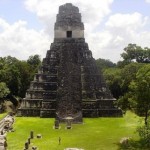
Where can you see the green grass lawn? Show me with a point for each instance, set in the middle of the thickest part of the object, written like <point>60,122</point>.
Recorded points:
<point>93,134</point>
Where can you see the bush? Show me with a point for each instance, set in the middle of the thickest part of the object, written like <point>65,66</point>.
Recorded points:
<point>144,133</point>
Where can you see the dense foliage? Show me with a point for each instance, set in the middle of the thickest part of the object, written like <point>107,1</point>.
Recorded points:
<point>140,92</point>
<point>15,75</point>
<point>137,53</point>
<point>129,80</point>
<point>144,133</point>
<point>103,64</point>
<point>4,91</point>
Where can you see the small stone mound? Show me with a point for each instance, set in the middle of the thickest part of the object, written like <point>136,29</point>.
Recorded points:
<point>39,136</point>
<point>124,140</point>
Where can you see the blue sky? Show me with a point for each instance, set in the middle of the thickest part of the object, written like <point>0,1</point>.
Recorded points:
<point>130,6</point>
<point>26,26</point>
<point>14,10</point>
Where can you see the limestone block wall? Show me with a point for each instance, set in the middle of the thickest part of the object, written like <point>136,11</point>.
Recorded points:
<point>62,33</point>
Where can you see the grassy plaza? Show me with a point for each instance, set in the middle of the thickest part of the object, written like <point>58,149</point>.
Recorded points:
<point>93,134</point>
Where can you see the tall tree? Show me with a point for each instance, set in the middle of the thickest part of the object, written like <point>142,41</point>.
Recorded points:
<point>103,64</point>
<point>34,61</point>
<point>4,91</point>
<point>17,74</point>
<point>9,73</point>
<point>114,81</point>
<point>119,79</point>
<point>128,74</point>
<point>25,71</point>
<point>133,52</point>
<point>140,92</point>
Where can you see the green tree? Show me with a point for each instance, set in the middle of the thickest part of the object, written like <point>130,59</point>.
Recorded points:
<point>9,73</point>
<point>103,64</point>
<point>26,75</point>
<point>113,80</point>
<point>119,79</point>
<point>34,61</point>
<point>16,74</point>
<point>140,90</point>
<point>128,73</point>
<point>133,52</point>
<point>4,91</point>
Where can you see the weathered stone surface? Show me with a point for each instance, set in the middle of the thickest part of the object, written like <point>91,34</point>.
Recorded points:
<point>34,147</point>
<point>56,124</point>
<point>3,142</point>
<point>31,134</point>
<point>39,136</point>
<point>29,140</point>
<point>26,145</point>
<point>68,84</point>
<point>68,124</point>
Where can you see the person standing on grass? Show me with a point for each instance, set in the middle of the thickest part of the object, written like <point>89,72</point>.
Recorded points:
<point>59,140</point>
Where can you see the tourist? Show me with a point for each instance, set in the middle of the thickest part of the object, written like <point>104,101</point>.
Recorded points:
<point>59,139</point>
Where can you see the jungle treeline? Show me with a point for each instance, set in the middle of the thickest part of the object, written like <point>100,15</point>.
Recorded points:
<point>128,79</point>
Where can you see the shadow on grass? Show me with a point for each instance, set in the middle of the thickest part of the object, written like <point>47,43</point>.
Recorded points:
<point>134,145</point>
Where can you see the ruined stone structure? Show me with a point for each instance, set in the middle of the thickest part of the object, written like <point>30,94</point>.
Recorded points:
<point>68,84</point>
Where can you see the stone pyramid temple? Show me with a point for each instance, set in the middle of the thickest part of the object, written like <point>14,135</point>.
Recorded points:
<point>68,83</point>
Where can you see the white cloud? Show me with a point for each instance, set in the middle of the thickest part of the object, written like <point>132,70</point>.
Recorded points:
<point>19,41</point>
<point>119,31</point>
<point>148,1</point>
<point>106,36</point>
<point>3,24</point>
<point>92,11</point>
<point>133,21</point>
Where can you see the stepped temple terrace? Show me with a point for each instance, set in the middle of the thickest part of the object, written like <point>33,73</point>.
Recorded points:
<point>68,84</point>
